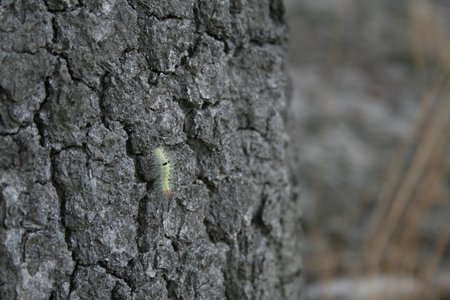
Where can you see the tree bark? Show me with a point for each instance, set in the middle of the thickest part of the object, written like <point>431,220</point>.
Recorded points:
<point>88,90</point>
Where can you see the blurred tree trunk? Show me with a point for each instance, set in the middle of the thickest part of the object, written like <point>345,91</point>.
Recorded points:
<point>88,89</point>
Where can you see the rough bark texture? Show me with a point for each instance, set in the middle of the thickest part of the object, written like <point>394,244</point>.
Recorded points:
<point>88,89</point>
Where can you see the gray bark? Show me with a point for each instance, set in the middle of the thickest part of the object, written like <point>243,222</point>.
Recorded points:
<point>88,89</point>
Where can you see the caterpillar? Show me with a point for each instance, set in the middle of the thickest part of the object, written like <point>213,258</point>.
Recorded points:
<point>163,165</point>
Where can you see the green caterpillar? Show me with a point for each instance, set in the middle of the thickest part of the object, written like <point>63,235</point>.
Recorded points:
<point>163,164</point>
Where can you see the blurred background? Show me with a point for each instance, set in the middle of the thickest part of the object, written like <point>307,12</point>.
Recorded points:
<point>371,129</point>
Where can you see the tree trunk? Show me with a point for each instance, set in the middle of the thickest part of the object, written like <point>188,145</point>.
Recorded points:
<point>88,90</point>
